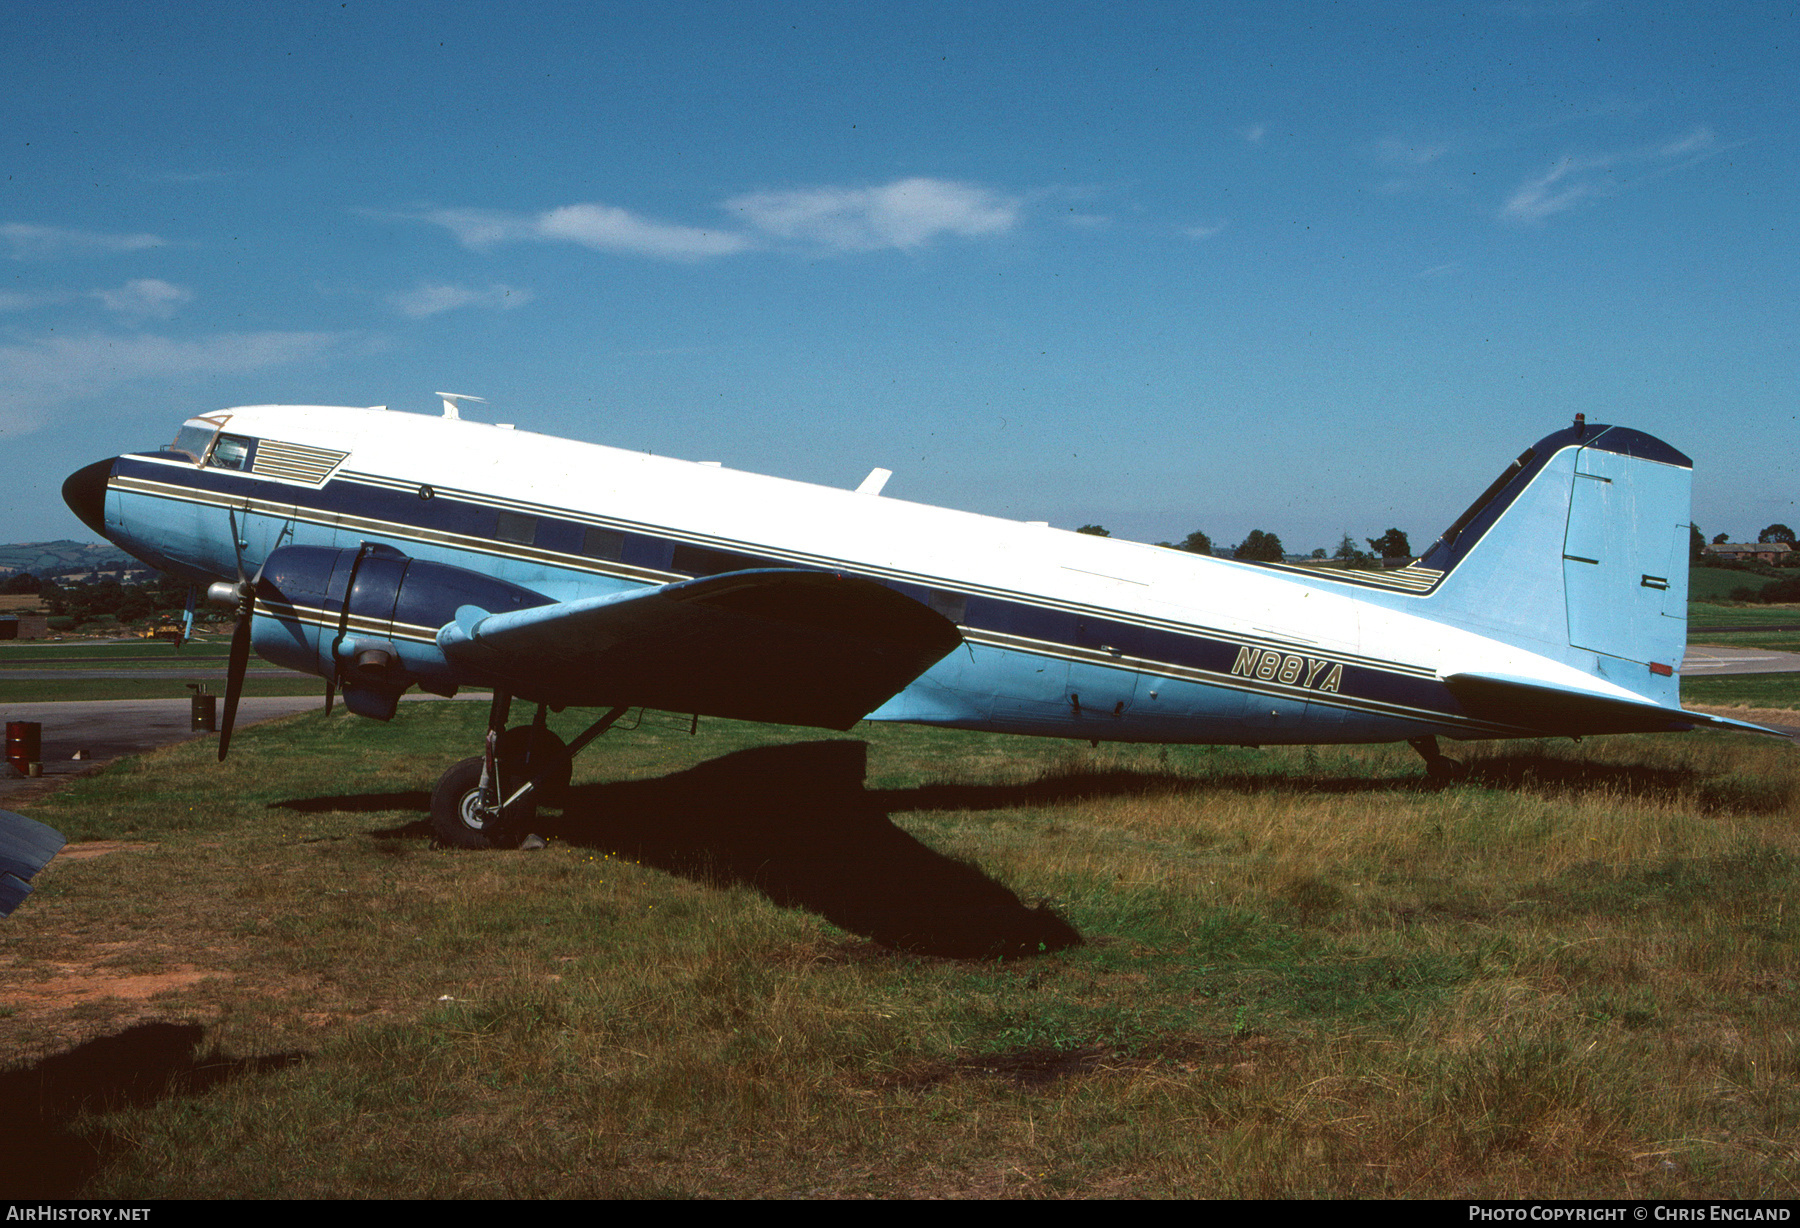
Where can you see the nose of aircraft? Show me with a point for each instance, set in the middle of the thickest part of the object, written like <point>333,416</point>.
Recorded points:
<point>85,493</point>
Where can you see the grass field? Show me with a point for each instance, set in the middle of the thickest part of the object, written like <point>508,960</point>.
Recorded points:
<point>1702,616</point>
<point>1706,584</point>
<point>745,966</point>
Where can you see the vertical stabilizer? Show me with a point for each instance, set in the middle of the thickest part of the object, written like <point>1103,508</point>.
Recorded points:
<point>1579,552</point>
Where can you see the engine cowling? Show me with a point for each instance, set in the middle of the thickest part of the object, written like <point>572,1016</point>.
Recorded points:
<point>368,617</point>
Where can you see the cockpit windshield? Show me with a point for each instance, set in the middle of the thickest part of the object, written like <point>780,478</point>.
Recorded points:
<point>203,441</point>
<point>194,438</point>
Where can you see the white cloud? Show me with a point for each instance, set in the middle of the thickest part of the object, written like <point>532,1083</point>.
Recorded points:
<point>428,299</point>
<point>482,228</point>
<point>14,300</point>
<point>145,297</point>
<point>1697,140</point>
<point>602,227</point>
<point>1203,232</point>
<point>39,377</point>
<point>905,214</point>
<point>28,242</point>
<point>1563,186</point>
<point>617,230</point>
<point>1254,133</point>
<point>1574,180</point>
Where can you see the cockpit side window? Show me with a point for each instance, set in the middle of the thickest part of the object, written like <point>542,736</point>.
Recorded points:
<point>232,452</point>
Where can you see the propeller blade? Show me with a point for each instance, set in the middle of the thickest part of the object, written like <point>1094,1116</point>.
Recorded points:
<point>187,618</point>
<point>235,667</point>
<point>330,694</point>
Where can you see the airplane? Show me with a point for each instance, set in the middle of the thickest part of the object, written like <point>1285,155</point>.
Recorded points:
<point>383,550</point>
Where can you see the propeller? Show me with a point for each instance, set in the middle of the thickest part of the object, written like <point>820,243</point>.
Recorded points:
<point>244,594</point>
<point>187,619</point>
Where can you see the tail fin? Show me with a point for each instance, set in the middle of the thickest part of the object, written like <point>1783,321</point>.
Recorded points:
<point>1579,552</point>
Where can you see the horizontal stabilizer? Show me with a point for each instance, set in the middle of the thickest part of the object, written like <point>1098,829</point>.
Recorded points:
<point>1566,712</point>
<point>789,646</point>
<point>26,846</point>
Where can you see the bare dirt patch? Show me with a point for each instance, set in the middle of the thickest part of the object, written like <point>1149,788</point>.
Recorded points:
<point>100,848</point>
<point>74,984</point>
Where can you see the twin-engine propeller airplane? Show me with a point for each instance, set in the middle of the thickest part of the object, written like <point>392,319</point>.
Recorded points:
<point>388,550</point>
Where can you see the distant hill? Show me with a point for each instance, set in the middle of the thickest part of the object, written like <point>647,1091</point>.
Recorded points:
<point>41,557</point>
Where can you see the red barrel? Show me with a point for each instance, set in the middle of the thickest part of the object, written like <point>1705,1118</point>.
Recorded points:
<point>24,744</point>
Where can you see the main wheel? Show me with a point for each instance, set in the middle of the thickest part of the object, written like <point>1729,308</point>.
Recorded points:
<point>551,749</point>
<point>460,819</point>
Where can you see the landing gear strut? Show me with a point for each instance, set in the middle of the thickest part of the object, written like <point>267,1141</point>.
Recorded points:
<point>489,801</point>
<point>1440,768</point>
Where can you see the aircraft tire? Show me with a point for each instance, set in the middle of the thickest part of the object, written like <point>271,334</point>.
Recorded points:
<point>455,818</point>
<point>512,747</point>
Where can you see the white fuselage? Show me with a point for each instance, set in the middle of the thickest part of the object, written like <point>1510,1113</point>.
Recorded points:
<point>1067,634</point>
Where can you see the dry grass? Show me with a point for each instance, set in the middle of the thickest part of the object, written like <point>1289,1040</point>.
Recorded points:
<point>1304,973</point>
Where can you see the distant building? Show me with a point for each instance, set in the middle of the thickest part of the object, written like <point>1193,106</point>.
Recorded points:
<point>1769,553</point>
<point>22,617</point>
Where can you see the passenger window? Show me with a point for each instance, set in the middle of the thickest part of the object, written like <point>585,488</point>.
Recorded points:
<point>603,544</point>
<point>514,527</point>
<point>232,452</point>
<point>953,606</point>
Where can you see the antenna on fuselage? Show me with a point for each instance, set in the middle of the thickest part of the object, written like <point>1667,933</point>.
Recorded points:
<point>450,400</point>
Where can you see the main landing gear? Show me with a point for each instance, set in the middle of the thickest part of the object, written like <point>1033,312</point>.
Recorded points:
<point>490,801</point>
<point>1440,769</point>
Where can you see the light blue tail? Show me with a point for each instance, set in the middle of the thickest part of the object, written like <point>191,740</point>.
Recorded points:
<point>1579,552</point>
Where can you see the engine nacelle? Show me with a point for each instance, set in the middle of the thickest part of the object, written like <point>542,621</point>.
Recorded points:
<point>368,618</point>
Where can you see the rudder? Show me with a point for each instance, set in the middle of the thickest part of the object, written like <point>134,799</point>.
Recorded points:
<point>1579,552</point>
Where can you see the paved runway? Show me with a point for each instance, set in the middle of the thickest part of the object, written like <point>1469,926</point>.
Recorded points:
<point>1704,659</point>
<point>105,729</point>
<point>201,674</point>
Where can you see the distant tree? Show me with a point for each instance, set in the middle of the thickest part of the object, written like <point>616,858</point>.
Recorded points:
<point>134,604</point>
<point>1721,539</point>
<point>1390,545</point>
<point>1319,553</point>
<point>1349,554</point>
<point>1094,530</point>
<point>1776,533</point>
<point>1196,543</point>
<point>21,583</point>
<point>1259,546</point>
<point>1696,544</point>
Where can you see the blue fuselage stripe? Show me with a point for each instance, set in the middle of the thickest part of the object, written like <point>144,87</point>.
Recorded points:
<point>454,521</point>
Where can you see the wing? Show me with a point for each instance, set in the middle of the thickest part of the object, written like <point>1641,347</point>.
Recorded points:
<point>793,647</point>
<point>1555,710</point>
<point>26,846</point>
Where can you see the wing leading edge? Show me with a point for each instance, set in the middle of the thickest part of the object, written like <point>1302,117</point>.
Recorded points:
<point>787,646</point>
<point>26,846</point>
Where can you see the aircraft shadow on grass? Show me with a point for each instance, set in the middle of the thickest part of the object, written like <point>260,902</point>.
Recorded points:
<point>798,823</point>
<point>41,1153</point>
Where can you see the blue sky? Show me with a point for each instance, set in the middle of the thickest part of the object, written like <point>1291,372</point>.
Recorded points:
<point>1310,268</point>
